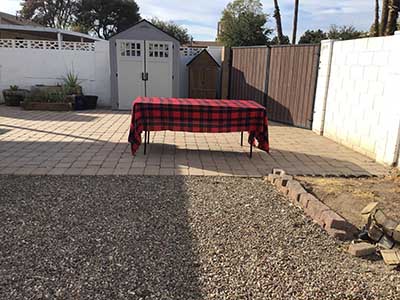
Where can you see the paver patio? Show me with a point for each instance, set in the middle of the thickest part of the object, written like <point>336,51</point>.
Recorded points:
<point>95,143</point>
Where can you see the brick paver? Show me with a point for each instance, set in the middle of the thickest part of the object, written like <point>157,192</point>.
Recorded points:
<point>95,143</point>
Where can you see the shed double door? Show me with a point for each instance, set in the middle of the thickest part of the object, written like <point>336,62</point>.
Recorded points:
<point>144,69</point>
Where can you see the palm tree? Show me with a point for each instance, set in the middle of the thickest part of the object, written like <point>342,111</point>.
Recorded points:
<point>393,14</point>
<point>376,21</point>
<point>384,17</point>
<point>296,13</point>
<point>277,16</point>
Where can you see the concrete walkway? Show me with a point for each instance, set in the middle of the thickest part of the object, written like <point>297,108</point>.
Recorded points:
<point>95,143</point>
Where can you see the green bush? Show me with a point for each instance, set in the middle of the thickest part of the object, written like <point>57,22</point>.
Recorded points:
<point>52,94</point>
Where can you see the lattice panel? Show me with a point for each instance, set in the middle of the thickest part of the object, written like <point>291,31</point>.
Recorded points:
<point>46,45</point>
<point>51,45</point>
<point>6,43</point>
<point>84,46</point>
<point>188,51</point>
<point>37,45</point>
<point>22,44</point>
<point>67,46</point>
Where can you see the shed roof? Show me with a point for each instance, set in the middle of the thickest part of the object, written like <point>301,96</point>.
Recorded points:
<point>41,29</point>
<point>201,53</point>
<point>151,24</point>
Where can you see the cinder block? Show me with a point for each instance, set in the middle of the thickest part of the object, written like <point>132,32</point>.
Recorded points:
<point>295,191</point>
<point>337,226</point>
<point>278,172</point>
<point>380,58</point>
<point>272,178</point>
<point>283,189</point>
<point>315,208</point>
<point>304,199</point>
<point>391,257</point>
<point>283,180</point>
<point>361,249</point>
<point>396,234</point>
<point>374,232</point>
<point>365,58</point>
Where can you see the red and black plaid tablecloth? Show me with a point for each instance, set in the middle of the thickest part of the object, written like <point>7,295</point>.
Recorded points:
<point>198,115</point>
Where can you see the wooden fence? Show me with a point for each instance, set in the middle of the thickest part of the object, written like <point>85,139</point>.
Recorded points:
<point>283,78</point>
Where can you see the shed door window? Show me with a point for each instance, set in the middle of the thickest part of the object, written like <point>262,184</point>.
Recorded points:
<point>158,50</point>
<point>130,49</point>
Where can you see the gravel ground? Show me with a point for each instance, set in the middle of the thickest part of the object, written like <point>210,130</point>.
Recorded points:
<point>170,238</point>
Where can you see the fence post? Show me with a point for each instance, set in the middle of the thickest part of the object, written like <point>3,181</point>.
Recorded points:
<point>267,76</point>
<point>225,70</point>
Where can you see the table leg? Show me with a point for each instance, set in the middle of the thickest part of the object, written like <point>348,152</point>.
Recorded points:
<point>148,137</point>
<point>251,149</point>
<point>145,142</point>
<point>241,139</point>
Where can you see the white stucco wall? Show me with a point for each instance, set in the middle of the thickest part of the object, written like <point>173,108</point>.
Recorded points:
<point>26,67</point>
<point>362,104</point>
<point>322,86</point>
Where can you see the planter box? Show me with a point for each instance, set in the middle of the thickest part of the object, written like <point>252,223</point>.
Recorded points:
<point>48,106</point>
<point>14,97</point>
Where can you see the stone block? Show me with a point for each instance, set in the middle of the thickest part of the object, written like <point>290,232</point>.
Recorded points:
<point>391,257</point>
<point>272,178</point>
<point>315,208</point>
<point>374,232</point>
<point>396,234</point>
<point>278,172</point>
<point>295,191</point>
<point>283,180</point>
<point>361,249</point>
<point>368,210</point>
<point>304,199</point>
<point>337,226</point>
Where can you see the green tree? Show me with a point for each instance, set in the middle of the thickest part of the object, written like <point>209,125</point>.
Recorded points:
<point>179,32</point>
<point>243,24</point>
<point>312,37</point>
<point>50,13</point>
<point>105,18</point>
<point>284,40</point>
<point>344,33</point>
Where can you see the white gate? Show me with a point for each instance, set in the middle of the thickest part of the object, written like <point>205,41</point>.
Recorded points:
<point>144,69</point>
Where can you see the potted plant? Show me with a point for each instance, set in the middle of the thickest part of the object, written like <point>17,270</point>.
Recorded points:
<point>14,95</point>
<point>72,84</point>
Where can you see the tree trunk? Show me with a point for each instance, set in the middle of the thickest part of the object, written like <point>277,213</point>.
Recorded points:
<point>376,21</point>
<point>393,14</point>
<point>384,17</point>
<point>296,14</point>
<point>277,16</point>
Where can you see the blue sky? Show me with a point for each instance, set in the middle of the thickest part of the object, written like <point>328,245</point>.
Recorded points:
<point>201,17</point>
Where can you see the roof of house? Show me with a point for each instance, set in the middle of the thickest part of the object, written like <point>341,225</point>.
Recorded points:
<point>204,44</point>
<point>6,18</point>
<point>201,53</point>
<point>41,29</point>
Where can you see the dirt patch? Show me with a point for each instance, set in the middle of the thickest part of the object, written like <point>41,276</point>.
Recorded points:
<point>348,196</point>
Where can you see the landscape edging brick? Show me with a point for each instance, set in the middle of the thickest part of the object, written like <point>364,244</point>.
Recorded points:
<point>334,224</point>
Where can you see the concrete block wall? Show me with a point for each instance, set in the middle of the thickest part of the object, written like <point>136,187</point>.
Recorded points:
<point>360,97</point>
<point>28,67</point>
